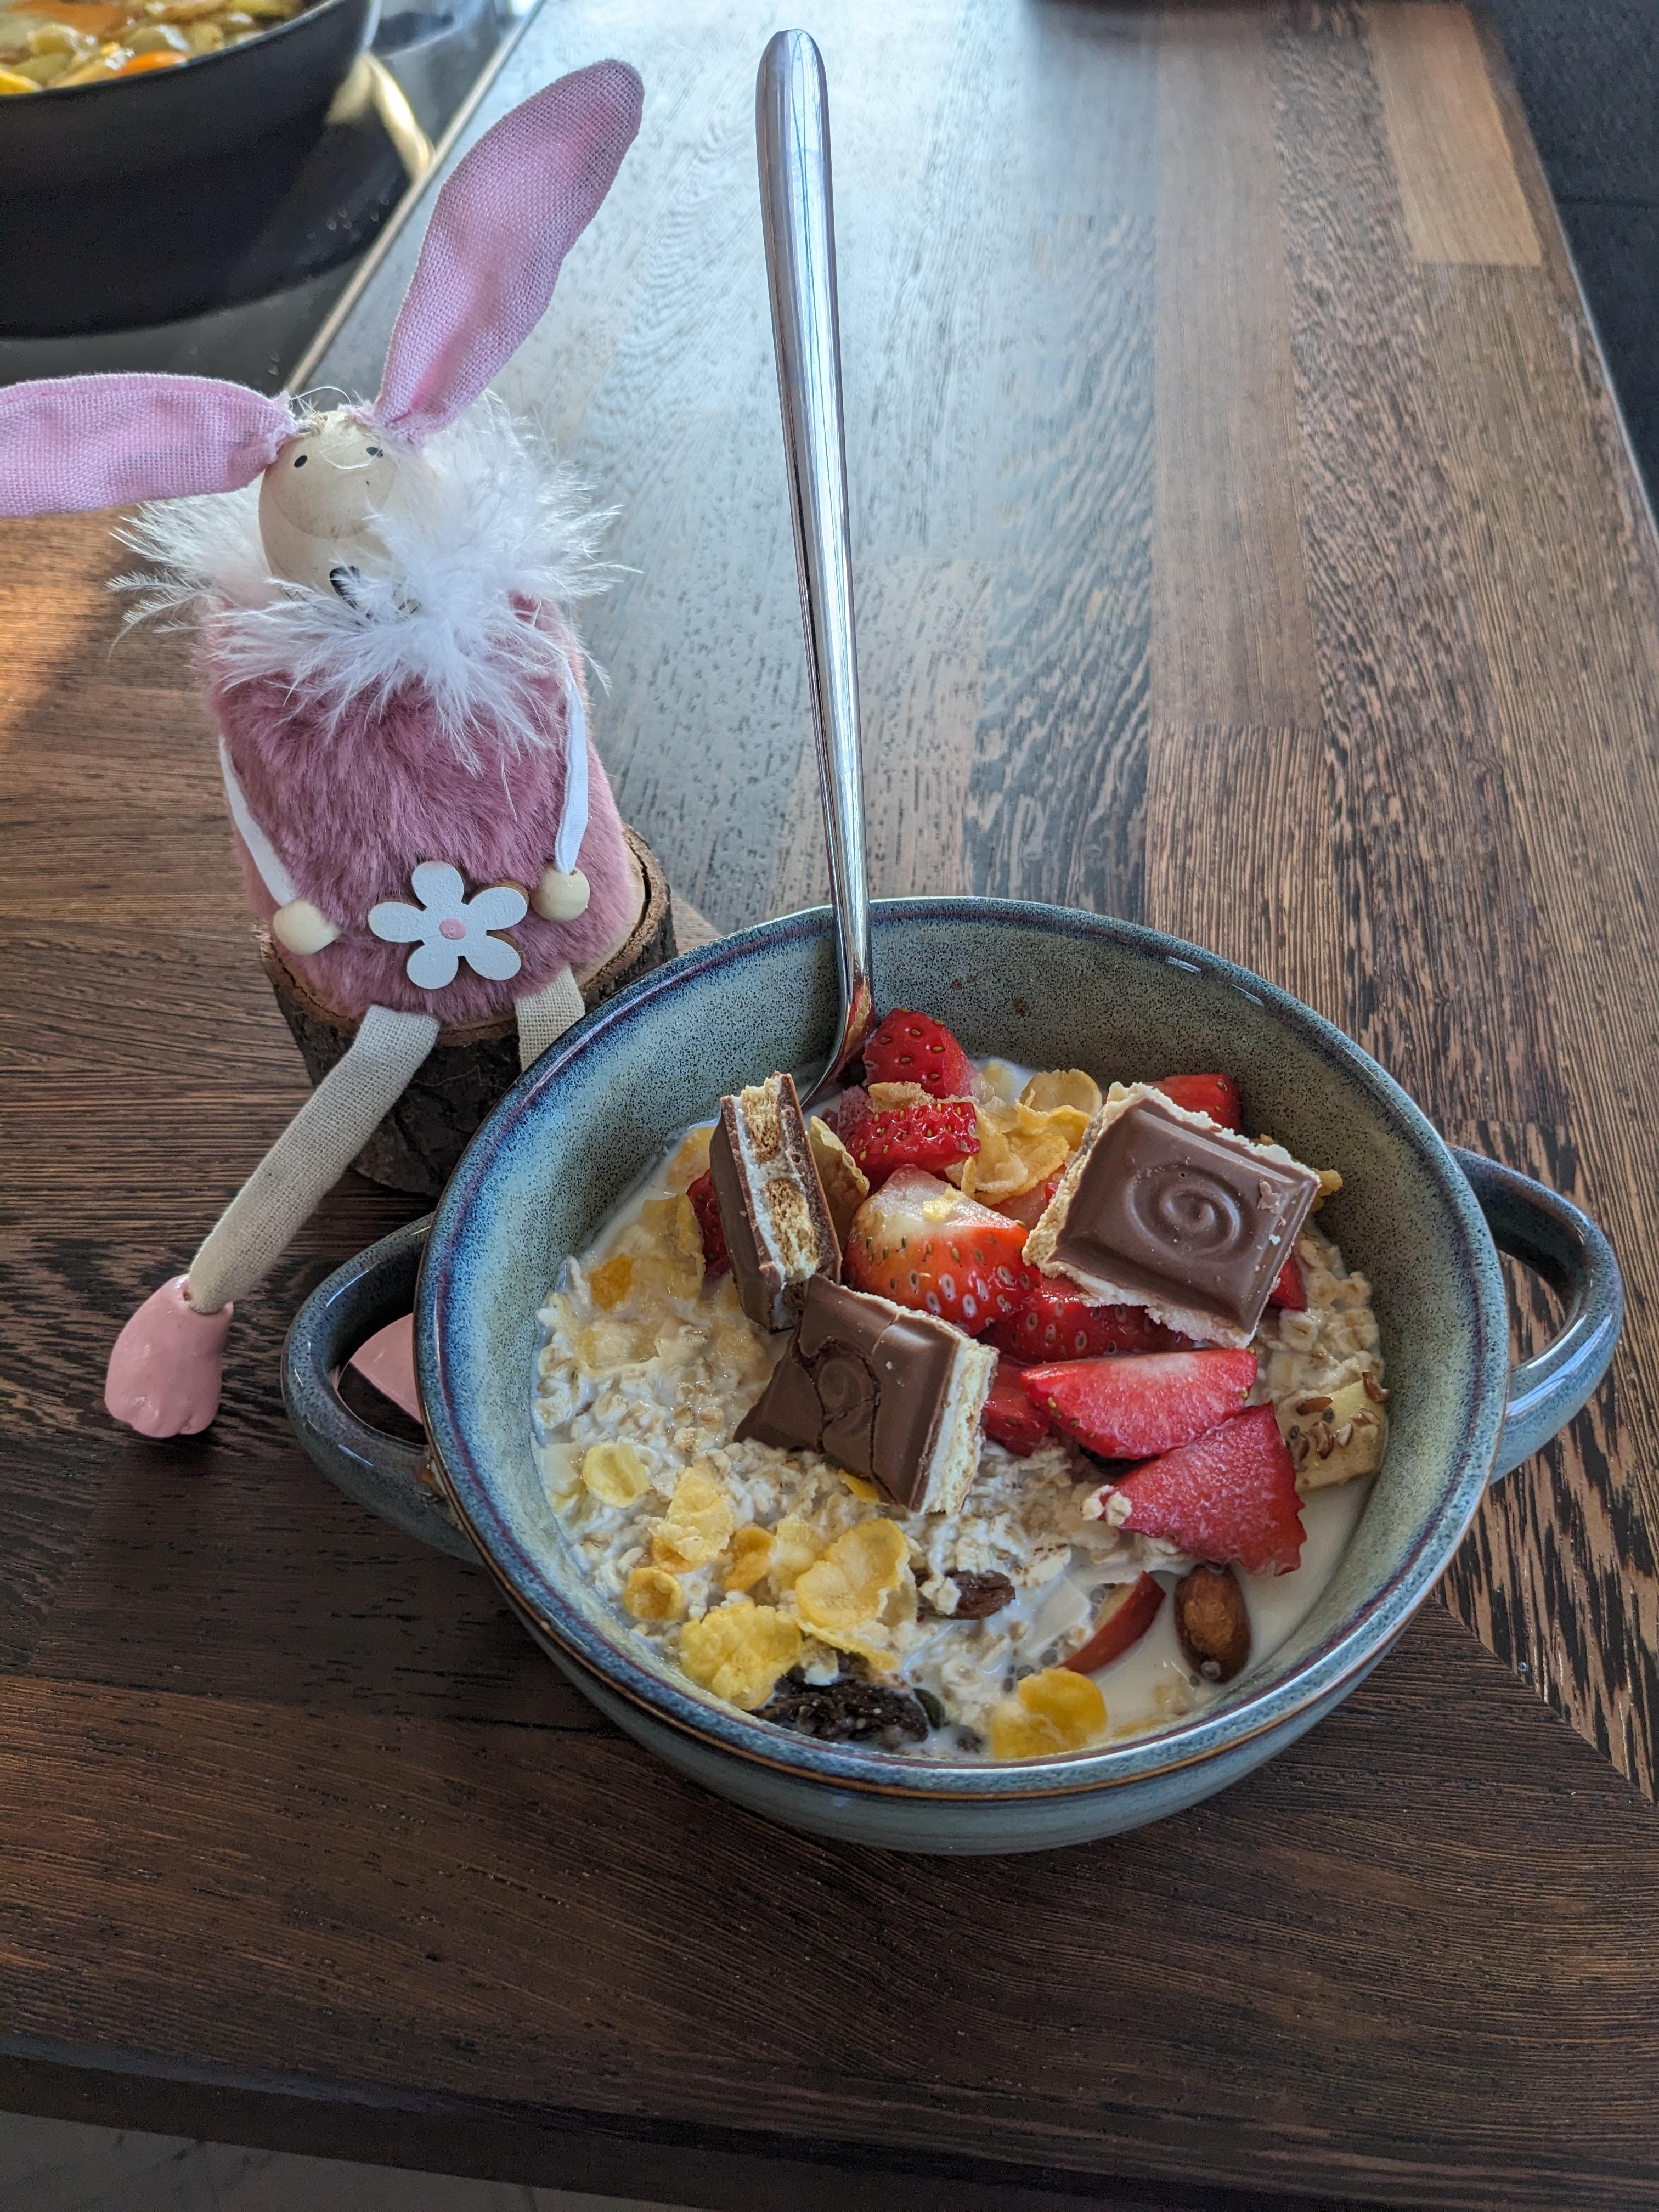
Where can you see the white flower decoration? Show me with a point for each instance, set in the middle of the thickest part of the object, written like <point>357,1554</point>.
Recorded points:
<point>449,927</point>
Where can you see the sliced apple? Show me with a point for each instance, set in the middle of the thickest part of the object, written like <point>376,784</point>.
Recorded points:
<point>1128,1613</point>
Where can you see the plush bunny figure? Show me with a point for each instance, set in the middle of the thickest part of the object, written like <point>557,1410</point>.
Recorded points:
<point>383,634</point>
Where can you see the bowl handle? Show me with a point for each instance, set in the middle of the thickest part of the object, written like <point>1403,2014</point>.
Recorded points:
<point>379,1472</point>
<point>1548,1234</point>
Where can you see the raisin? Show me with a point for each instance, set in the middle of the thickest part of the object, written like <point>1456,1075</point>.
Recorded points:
<point>978,1594</point>
<point>848,1712</point>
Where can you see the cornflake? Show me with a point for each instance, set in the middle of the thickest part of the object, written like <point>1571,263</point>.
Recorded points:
<point>1019,1147</point>
<point>847,1598</point>
<point>653,1593</point>
<point>611,1347</point>
<point>845,1186</point>
<point>609,1283</point>
<point>1063,1086</point>
<point>690,1161</point>
<point>740,1651</point>
<point>671,1259</point>
<point>615,1473</point>
<point>697,1526</point>
<point>796,1545</point>
<point>751,1555</point>
<point>1053,1711</point>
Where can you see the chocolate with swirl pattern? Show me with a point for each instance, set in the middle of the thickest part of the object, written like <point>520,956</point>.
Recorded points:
<point>887,1393</point>
<point>1161,1208</point>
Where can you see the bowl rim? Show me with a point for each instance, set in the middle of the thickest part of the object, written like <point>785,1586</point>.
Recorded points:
<point>1346,1652</point>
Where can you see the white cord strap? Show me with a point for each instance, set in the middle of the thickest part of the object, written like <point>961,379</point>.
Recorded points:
<point>572,823</point>
<point>272,874</point>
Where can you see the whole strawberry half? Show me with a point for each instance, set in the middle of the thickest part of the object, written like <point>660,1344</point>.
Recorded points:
<point>1055,1323</point>
<point>1009,1417</point>
<point>1131,1408</point>
<point>1289,1291</point>
<point>1214,1095</point>
<point>912,1047</point>
<point>919,1242</point>
<point>934,1133</point>
<point>716,1260</point>
<point>1230,1495</point>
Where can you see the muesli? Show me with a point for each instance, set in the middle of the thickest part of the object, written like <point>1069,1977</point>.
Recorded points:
<point>986,1414</point>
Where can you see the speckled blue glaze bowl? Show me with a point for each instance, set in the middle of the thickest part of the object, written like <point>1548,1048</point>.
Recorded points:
<point>1048,987</point>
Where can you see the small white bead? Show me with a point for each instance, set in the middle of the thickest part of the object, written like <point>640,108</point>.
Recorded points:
<point>559,896</point>
<point>302,928</point>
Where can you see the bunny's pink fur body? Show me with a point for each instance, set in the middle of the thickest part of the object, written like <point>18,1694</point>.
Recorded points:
<point>354,801</point>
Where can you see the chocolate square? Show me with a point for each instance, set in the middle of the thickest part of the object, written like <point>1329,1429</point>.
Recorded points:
<point>890,1394</point>
<point>1162,1210</point>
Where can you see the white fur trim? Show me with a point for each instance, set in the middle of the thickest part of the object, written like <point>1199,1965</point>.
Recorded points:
<point>493,526</point>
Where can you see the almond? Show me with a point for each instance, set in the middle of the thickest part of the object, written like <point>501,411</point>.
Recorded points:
<point>1212,1622</point>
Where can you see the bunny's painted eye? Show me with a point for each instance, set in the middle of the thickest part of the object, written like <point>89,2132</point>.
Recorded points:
<point>376,453</point>
<point>300,459</point>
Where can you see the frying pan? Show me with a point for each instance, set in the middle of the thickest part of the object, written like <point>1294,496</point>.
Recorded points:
<point>140,195</point>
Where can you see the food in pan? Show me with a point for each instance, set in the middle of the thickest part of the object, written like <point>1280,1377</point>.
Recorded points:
<point>48,46</point>
<point>983,1415</point>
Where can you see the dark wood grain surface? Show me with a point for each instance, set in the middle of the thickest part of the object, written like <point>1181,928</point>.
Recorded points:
<point>1246,542</point>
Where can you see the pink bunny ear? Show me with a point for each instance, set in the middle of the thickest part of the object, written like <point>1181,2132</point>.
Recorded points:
<point>84,441</point>
<point>499,235</point>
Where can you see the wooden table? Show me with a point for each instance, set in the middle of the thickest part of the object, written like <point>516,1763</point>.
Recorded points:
<point>1246,542</point>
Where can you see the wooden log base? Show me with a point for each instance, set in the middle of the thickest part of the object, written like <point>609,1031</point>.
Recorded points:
<point>415,1147</point>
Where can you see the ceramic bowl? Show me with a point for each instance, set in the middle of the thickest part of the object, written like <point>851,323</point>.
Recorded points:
<point>1048,987</point>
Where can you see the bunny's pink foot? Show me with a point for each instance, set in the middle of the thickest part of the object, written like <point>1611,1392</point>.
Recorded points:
<point>163,1377</point>
<point>387,1359</point>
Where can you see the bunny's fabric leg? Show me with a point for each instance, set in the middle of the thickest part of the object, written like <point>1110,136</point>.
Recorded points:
<point>163,1377</point>
<point>547,1014</point>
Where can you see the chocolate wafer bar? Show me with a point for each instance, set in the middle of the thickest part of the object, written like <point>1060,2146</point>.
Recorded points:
<point>890,1394</point>
<point>1161,1208</point>
<point>772,1206</point>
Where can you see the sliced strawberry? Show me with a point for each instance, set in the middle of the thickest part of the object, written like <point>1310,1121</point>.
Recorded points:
<point>1009,1417</point>
<point>1055,1323</point>
<point>1128,1613</point>
<point>1289,1291</point>
<point>936,1133</point>
<point>1131,1408</point>
<point>911,1048</point>
<point>1231,1495</point>
<point>919,1242</point>
<point>1214,1095</point>
<point>716,1260</point>
<point>1031,1205</point>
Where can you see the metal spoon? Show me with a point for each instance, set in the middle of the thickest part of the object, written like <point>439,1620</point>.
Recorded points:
<point>791,131</point>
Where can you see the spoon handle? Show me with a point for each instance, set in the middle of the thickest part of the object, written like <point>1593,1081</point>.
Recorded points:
<point>792,130</point>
